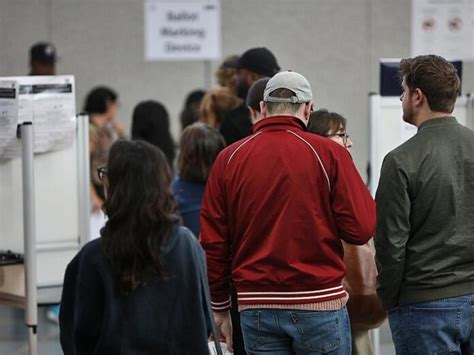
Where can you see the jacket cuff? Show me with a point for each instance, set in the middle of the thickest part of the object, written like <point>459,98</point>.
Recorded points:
<point>221,306</point>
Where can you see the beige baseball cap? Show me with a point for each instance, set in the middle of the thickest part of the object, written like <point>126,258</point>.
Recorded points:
<point>292,81</point>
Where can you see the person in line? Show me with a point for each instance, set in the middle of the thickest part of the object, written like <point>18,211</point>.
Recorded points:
<point>276,207</point>
<point>216,104</point>
<point>252,65</point>
<point>254,97</point>
<point>425,218</point>
<point>151,123</point>
<point>198,149</point>
<point>43,59</point>
<point>225,74</point>
<point>190,112</point>
<point>102,105</point>
<point>365,311</point>
<point>139,288</point>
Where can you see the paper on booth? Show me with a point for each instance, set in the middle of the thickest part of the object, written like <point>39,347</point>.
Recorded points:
<point>49,103</point>
<point>9,145</point>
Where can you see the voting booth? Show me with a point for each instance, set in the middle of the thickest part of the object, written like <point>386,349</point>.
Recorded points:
<point>44,189</point>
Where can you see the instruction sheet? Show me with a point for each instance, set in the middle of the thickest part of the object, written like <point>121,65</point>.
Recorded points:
<point>49,103</point>
<point>9,145</point>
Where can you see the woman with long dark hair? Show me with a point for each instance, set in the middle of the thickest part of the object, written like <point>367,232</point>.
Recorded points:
<point>139,288</point>
<point>151,123</point>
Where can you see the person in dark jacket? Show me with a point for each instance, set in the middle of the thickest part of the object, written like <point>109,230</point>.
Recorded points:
<point>425,218</point>
<point>139,289</point>
<point>254,64</point>
<point>151,123</point>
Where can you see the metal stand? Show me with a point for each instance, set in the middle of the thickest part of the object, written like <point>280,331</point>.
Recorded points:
<point>29,234</point>
<point>84,173</point>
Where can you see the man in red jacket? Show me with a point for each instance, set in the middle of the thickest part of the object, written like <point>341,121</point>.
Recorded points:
<point>276,207</point>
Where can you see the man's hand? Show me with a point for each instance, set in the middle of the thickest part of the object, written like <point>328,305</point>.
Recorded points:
<point>224,327</point>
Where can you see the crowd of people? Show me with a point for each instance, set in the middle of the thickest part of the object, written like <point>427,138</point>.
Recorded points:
<point>256,232</point>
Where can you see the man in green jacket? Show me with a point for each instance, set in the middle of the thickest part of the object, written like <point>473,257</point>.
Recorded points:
<point>425,213</point>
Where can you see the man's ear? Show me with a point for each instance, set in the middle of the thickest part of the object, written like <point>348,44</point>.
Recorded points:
<point>263,109</point>
<point>418,97</point>
<point>308,107</point>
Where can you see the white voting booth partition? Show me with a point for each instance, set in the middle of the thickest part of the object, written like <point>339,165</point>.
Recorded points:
<point>44,189</point>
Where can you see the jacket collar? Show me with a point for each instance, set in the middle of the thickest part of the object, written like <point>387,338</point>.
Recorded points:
<point>278,123</point>
<point>438,122</point>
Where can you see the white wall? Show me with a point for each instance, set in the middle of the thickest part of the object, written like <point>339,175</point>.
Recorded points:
<point>335,43</point>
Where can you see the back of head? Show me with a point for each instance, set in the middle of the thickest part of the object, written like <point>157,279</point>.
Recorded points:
<point>225,72</point>
<point>140,207</point>
<point>324,123</point>
<point>286,92</point>
<point>259,60</point>
<point>98,99</point>
<point>255,94</point>
<point>435,77</point>
<point>216,104</point>
<point>199,146</point>
<point>190,113</point>
<point>151,123</point>
<point>43,59</point>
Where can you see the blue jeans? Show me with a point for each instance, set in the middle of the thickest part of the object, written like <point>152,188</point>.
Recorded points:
<point>289,332</point>
<point>444,326</point>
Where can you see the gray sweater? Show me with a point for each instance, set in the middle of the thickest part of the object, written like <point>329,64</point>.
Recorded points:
<point>425,216</point>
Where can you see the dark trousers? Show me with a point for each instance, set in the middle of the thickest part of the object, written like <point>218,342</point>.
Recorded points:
<point>237,337</point>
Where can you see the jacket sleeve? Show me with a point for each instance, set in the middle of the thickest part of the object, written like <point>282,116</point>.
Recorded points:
<point>352,205</point>
<point>215,238</point>
<point>393,229</point>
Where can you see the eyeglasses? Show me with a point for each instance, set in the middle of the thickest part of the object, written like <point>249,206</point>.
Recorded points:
<point>344,136</point>
<point>101,172</point>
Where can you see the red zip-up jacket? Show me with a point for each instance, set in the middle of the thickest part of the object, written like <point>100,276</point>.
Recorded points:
<point>276,207</point>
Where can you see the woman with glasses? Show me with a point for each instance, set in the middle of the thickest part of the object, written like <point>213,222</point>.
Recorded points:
<point>333,126</point>
<point>139,289</point>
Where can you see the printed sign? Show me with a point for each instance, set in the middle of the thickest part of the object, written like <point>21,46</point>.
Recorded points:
<point>443,27</point>
<point>182,30</point>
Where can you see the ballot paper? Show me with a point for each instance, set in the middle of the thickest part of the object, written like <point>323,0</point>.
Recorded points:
<point>9,145</point>
<point>49,103</point>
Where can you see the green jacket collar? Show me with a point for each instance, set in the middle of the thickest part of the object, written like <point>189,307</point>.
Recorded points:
<point>438,122</point>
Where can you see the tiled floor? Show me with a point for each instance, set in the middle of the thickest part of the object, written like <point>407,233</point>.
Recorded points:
<point>14,336</point>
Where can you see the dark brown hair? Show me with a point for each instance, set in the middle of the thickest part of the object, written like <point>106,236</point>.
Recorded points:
<point>255,94</point>
<point>435,77</point>
<point>199,146</point>
<point>141,211</point>
<point>323,122</point>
